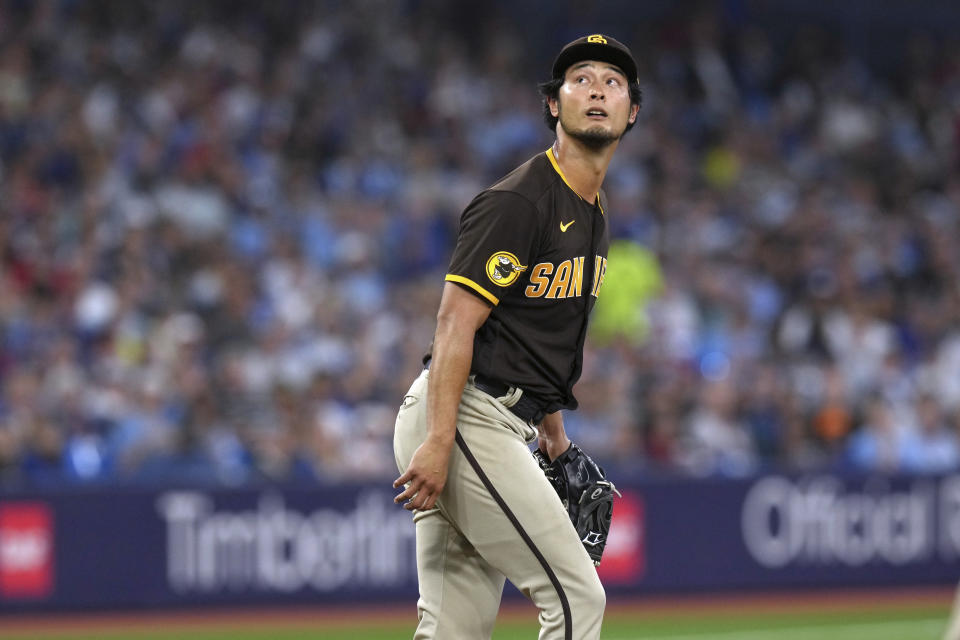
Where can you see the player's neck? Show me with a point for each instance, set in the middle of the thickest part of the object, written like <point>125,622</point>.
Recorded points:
<point>583,167</point>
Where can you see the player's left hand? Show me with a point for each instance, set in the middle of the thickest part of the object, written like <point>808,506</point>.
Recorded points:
<point>586,494</point>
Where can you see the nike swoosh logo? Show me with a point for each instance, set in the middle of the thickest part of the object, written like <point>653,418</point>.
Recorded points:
<point>564,227</point>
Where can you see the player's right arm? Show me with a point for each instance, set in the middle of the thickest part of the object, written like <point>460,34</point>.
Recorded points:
<point>461,314</point>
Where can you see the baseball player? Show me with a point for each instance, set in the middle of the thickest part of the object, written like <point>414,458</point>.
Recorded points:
<point>527,268</point>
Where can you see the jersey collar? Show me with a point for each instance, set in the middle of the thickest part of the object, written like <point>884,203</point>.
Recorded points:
<point>556,167</point>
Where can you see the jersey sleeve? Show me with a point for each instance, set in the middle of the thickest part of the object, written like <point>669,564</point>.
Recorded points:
<point>497,238</point>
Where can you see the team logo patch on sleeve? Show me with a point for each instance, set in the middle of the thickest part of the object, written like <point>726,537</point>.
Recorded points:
<point>503,268</point>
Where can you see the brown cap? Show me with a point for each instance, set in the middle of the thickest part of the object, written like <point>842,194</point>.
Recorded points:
<point>596,47</point>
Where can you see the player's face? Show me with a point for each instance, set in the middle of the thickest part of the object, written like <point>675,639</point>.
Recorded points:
<point>593,104</point>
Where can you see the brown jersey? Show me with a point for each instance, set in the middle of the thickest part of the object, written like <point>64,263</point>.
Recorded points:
<point>536,251</point>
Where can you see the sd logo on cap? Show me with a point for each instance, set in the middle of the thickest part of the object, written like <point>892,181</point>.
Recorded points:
<point>596,47</point>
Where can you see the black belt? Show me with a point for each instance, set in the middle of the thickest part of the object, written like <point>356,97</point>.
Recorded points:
<point>526,408</point>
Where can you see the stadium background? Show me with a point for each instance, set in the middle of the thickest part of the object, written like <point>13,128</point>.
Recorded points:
<point>223,231</point>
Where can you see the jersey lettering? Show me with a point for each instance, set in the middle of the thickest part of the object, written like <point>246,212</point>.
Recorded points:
<point>561,281</point>
<point>599,270</point>
<point>539,280</point>
<point>577,285</point>
<point>566,280</point>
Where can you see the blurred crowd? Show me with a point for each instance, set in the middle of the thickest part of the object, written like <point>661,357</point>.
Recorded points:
<point>224,229</point>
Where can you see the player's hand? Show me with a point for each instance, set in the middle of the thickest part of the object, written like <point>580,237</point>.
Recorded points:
<point>426,476</point>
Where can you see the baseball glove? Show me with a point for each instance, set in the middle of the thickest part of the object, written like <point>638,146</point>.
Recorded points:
<point>586,494</point>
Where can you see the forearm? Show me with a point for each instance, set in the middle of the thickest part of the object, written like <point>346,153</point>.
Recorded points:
<point>552,437</point>
<point>461,314</point>
<point>449,369</point>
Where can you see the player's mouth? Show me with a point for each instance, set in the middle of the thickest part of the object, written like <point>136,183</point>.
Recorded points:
<point>596,114</point>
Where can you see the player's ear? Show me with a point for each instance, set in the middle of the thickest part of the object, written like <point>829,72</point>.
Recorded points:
<point>554,107</point>
<point>634,110</point>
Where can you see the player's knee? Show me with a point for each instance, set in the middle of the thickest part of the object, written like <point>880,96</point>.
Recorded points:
<point>597,597</point>
<point>587,610</point>
<point>591,599</point>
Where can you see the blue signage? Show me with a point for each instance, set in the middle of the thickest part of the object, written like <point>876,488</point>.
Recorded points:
<point>131,548</point>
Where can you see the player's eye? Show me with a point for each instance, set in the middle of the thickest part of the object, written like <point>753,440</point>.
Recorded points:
<point>581,79</point>
<point>613,82</point>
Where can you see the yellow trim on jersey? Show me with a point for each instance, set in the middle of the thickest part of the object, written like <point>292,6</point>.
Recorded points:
<point>556,167</point>
<point>473,285</point>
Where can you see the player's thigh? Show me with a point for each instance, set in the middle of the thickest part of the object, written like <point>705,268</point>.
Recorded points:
<point>512,515</point>
<point>459,590</point>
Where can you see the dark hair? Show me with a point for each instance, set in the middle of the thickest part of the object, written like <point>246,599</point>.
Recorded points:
<point>551,90</point>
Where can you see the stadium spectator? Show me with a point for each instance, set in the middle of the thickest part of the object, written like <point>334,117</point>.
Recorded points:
<point>223,225</point>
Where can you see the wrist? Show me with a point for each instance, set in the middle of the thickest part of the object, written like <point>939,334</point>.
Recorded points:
<point>555,445</point>
<point>441,439</point>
